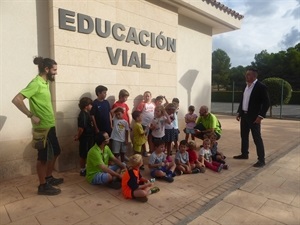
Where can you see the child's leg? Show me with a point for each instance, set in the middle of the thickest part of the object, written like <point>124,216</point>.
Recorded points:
<point>168,145</point>
<point>139,193</point>
<point>150,143</point>
<point>211,166</point>
<point>186,136</point>
<point>193,137</point>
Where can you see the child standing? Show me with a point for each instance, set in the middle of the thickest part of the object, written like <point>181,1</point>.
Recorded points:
<point>169,128</point>
<point>123,95</point>
<point>175,101</point>
<point>158,123</point>
<point>190,120</point>
<point>119,134</point>
<point>193,157</point>
<point>100,111</point>
<point>85,132</point>
<point>146,107</point>
<point>134,186</point>
<point>158,164</point>
<point>139,134</point>
<point>205,157</point>
<point>182,160</point>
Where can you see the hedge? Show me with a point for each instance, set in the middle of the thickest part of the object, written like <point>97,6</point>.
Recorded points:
<point>226,96</point>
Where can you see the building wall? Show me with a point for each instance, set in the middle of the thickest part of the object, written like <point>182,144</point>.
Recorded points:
<point>30,28</point>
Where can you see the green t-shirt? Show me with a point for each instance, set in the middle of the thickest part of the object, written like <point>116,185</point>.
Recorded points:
<point>209,122</point>
<point>38,94</point>
<point>95,158</point>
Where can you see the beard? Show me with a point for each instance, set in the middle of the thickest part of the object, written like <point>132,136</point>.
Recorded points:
<point>50,76</point>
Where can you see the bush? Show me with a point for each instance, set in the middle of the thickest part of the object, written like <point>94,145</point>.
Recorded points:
<point>226,96</point>
<point>274,85</point>
<point>295,99</point>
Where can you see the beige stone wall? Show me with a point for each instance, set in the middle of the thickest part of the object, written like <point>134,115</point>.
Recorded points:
<point>84,62</point>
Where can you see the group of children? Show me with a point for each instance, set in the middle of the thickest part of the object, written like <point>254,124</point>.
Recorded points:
<point>153,122</point>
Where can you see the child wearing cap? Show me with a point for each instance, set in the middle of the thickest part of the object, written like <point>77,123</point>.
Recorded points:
<point>134,186</point>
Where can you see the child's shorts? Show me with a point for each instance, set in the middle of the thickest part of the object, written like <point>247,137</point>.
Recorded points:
<point>189,131</point>
<point>118,146</point>
<point>163,168</point>
<point>169,135</point>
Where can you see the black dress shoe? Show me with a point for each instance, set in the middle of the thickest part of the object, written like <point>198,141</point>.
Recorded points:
<point>259,164</point>
<point>241,157</point>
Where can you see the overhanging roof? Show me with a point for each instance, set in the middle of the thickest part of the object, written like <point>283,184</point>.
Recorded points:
<point>209,12</point>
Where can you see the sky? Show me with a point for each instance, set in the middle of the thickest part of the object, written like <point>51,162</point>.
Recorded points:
<point>272,25</point>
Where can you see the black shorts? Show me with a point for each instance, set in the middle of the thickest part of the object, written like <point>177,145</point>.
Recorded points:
<point>85,144</point>
<point>52,145</point>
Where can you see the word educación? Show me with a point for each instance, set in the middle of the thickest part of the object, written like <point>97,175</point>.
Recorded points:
<point>86,25</point>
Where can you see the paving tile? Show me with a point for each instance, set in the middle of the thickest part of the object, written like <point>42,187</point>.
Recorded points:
<point>274,193</point>
<point>89,188</point>
<point>238,216</point>
<point>4,218</point>
<point>132,212</point>
<point>292,185</point>
<point>28,207</point>
<point>288,174</point>
<point>67,214</point>
<point>296,201</point>
<point>9,194</point>
<point>281,212</point>
<point>245,200</point>
<point>203,220</point>
<point>68,193</point>
<point>98,202</point>
<point>270,179</point>
<point>103,218</point>
<point>217,211</point>
<point>31,220</point>
<point>28,190</point>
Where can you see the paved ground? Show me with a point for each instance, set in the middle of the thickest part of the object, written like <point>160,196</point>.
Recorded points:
<point>241,195</point>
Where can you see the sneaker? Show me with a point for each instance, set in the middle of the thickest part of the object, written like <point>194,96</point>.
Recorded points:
<point>195,170</point>
<point>142,167</point>
<point>114,185</point>
<point>141,199</point>
<point>54,181</point>
<point>170,173</point>
<point>225,167</point>
<point>47,189</point>
<point>154,190</point>
<point>202,169</point>
<point>169,179</point>
<point>82,173</point>
<point>220,168</point>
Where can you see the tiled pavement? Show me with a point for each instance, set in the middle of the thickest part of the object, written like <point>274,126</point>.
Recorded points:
<point>241,195</point>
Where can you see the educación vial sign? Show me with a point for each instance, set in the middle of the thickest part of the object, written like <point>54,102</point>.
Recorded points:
<point>86,25</point>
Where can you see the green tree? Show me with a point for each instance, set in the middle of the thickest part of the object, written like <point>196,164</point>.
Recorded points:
<point>278,89</point>
<point>237,75</point>
<point>220,68</point>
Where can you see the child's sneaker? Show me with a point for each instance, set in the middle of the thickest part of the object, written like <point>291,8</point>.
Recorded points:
<point>225,167</point>
<point>169,179</point>
<point>195,170</point>
<point>202,169</point>
<point>220,168</point>
<point>47,189</point>
<point>154,190</point>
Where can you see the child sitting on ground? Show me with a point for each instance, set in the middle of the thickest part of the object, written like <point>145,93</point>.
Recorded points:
<point>205,157</point>
<point>134,186</point>
<point>193,158</point>
<point>216,155</point>
<point>182,160</point>
<point>159,167</point>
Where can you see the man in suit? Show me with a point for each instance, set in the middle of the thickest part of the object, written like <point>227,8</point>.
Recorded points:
<point>252,109</point>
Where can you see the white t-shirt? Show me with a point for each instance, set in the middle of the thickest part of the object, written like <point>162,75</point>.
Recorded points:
<point>206,153</point>
<point>119,129</point>
<point>159,124</point>
<point>147,113</point>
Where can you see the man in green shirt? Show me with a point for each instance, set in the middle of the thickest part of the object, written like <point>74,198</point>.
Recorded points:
<point>43,123</point>
<point>207,123</point>
<point>98,170</point>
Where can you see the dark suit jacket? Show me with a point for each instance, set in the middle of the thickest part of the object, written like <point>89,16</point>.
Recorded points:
<point>259,102</point>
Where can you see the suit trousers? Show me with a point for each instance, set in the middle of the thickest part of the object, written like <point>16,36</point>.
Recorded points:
<point>245,126</point>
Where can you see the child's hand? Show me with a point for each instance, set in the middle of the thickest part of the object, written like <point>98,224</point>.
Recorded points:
<point>76,138</point>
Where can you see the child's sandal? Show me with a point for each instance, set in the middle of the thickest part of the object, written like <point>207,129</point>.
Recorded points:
<point>154,190</point>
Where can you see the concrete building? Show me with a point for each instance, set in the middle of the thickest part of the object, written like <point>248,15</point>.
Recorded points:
<point>163,46</point>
